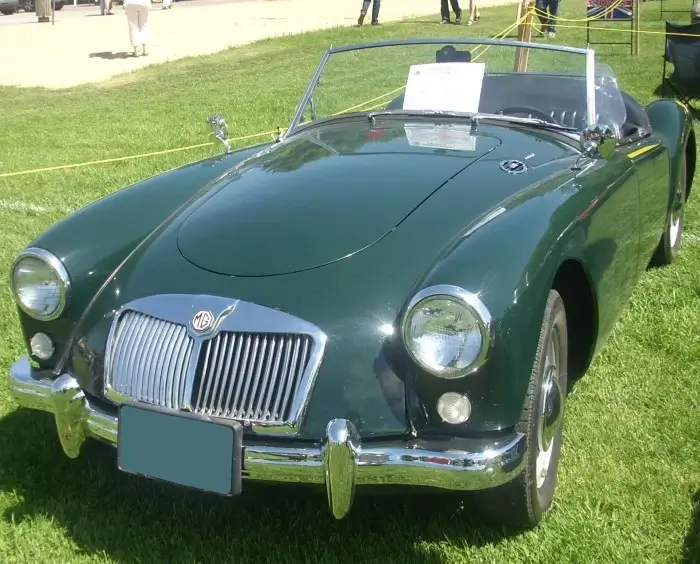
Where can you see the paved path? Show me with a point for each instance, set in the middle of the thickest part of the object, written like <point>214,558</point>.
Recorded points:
<point>85,47</point>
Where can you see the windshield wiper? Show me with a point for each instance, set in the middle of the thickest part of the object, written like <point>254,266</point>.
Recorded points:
<point>527,121</point>
<point>419,113</point>
<point>472,117</point>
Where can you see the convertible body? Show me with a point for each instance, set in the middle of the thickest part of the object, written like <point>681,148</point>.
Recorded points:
<point>250,312</point>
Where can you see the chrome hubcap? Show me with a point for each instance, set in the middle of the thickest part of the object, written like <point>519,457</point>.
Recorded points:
<point>675,227</point>
<point>551,409</point>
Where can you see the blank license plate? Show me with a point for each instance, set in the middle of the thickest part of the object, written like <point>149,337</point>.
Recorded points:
<point>180,448</point>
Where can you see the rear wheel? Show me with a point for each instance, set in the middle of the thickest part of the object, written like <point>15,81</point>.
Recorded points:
<point>523,502</point>
<point>670,242</point>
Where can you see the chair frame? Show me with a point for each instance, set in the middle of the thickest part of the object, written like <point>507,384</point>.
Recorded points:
<point>677,89</point>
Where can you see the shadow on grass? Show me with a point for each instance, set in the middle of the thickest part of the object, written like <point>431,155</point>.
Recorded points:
<point>109,55</point>
<point>134,519</point>
<point>691,543</point>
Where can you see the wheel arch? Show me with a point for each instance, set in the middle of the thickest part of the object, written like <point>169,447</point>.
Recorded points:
<point>690,161</point>
<point>574,286</point>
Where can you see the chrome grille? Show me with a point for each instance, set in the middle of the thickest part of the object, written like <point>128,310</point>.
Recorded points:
<point>256,376</point>
<point>251,376</point>
<point>148,360</point>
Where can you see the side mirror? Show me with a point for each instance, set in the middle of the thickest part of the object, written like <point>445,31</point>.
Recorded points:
<point>220,129</point>
<point>598,141</point>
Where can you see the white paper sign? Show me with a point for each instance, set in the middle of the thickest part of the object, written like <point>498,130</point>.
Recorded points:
<point>448,87</point>
<point>451,137</point>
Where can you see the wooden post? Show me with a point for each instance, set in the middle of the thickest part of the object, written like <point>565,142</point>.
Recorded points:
<point>524,34</point>
<point>636,20</point>
<point>43,10</point>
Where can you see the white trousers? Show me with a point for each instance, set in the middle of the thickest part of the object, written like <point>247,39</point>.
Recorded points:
<point>137,16</point>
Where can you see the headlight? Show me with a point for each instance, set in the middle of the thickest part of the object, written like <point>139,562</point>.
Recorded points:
<point>446,330</point>
<point>40,284</point>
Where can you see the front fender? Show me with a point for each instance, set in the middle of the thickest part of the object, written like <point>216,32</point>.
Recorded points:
<point>511,262</point>
<point>93,241</point>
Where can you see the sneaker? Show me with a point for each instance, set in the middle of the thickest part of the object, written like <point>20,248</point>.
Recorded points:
<point>144,50</point>
<point>445,21</point>
<point>470,22</point>
<point>551,35</point>
<point>376,23</point>
<point>541,30</point>
<point>458,19</point>
<point>361,19</point>
<point>137,51</point>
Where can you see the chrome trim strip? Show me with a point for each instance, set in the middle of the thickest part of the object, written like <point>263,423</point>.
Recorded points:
<point>590,87</point>
<point>58,267</point>
<point>339,461</point>
<point>232,317</point>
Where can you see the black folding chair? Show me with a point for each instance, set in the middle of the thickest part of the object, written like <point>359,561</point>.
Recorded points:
<point>683,52</point>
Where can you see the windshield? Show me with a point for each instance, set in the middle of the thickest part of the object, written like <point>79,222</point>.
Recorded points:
<point>546,84</point>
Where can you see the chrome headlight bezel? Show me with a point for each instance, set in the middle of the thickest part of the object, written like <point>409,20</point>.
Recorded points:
<point>55,264</point>
<point>470,302</point>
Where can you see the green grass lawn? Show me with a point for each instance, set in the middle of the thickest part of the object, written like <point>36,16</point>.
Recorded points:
<point>630,476</point>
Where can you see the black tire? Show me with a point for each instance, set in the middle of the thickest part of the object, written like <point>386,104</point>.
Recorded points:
<point>521,503</point>
<point>8,12</point>
<point>58,6</point>
<point>670,242</point>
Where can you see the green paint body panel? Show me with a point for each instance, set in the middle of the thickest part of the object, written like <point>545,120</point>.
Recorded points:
<point>343,222</point>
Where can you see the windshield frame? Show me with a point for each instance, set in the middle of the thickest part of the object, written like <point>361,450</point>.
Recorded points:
<point>311,86</point>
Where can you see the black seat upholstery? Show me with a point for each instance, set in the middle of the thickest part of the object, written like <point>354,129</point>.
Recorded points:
<point>562,97</point>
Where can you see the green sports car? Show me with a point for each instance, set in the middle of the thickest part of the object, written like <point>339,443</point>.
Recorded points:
<point>393,291</point>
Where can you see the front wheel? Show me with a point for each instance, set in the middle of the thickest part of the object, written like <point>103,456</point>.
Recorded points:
<point>522,502</point>
<point>8,12</point>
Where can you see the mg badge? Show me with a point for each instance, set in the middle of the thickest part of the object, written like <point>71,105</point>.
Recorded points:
<point>202,321</point>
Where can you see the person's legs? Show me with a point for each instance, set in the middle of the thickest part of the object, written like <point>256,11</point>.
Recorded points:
<point>363,12</point>
<point>375,11</point>
<point>553,13</point>
<point>541,11</point>
<point>144,11</point>
<point>474,13</point>
<point>132,18</point>
<point>444,11</point>
<point>457,10</point>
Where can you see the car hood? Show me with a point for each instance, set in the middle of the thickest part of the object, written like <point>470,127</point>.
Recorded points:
<point>324,195</point>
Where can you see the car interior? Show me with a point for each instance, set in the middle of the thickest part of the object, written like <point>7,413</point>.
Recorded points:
<point>549,96</point>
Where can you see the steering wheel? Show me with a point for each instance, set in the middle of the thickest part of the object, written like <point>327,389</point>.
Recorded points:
<point>510,110</point>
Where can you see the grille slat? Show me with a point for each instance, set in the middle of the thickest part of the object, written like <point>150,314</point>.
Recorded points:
<point>247,376</point>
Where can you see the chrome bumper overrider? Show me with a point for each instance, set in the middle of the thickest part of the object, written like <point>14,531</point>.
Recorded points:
<point>340,461</point>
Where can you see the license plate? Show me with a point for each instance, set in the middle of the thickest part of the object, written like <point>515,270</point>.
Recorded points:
<point>180,448</point>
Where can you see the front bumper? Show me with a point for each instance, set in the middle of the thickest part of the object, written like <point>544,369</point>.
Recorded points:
<point>340,461</point>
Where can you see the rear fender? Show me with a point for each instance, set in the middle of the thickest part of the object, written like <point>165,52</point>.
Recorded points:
<point>674,122</point>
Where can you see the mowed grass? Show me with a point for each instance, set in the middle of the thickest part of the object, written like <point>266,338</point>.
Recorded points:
<point>630,475</point>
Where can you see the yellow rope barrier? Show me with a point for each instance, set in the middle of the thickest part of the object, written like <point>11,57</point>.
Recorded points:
<point>626,30</point>
<point>499,35</point>
<point>130,157</point>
